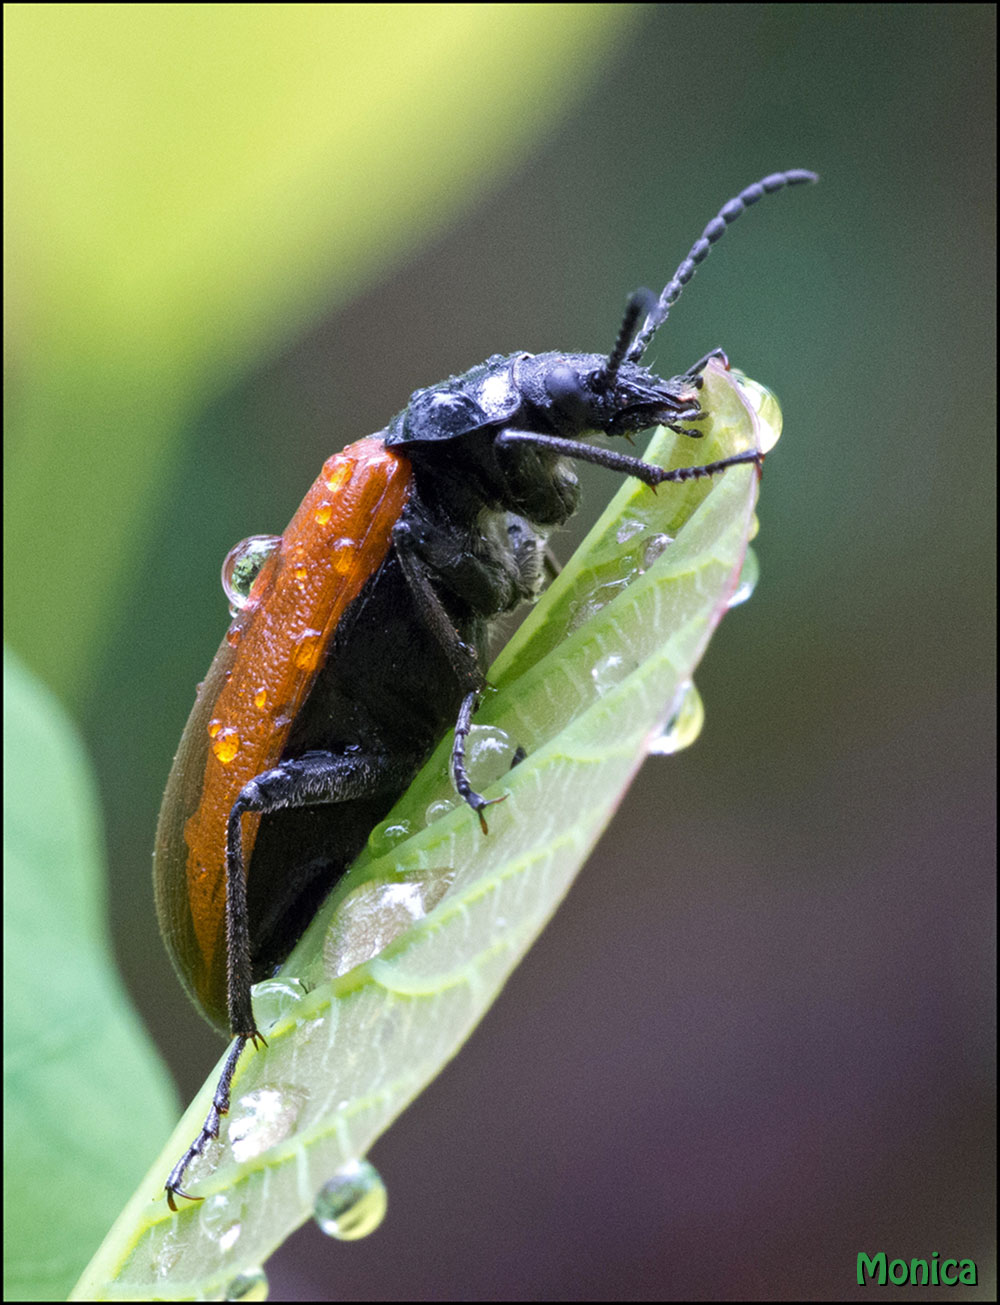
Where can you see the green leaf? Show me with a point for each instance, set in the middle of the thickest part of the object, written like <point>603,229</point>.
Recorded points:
<point>419,937</point>
<point>86,1099</point>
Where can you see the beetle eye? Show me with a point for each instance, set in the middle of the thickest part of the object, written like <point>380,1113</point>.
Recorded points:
<point>567,391</point>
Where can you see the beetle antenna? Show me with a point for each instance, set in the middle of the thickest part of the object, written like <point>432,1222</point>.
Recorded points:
<point>702,247</point>
<point>641,303</point>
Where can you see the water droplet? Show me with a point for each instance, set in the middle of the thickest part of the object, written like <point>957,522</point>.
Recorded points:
<point>353,1203</point>
<point>766,407</point>
<point>595,601</point>
<point>385,837</point>
<point>308,650</point>
<point>747,583</point>
<point>344,555</point>
<point>167,1255</point>
<point>260,699</point>
<point>683,725</point>
<point>337,472</point>
<point>437,809</point>
<point>243,565</point>
<point>220,1220</point>
<point>275,999</point>
<point>655,548</point>
<point>489,752</point>
<point>628,529</point>
<point>225,744</point>
<point>377,913</point>
<point>250,1285</point>
<point>234,634</point>
<point>323,514</point>
<point>609,671</point>
<point>261,1119</point>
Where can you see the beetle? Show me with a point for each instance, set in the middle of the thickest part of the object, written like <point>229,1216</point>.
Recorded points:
<point>364,636</point>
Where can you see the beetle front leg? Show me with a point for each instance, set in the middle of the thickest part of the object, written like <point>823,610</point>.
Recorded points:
<point>624,464</point>
<point>694,372</point>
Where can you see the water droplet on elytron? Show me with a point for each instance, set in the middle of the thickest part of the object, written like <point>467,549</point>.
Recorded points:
<point>747,583</point>
<point>344,555</point>
<point>243,565</point>
<point>684,724</point>
<point>353,1203</point>
<point>274,999</point>
<point>378,912</point>
<point>308,650</point>
<point>765,404</point>
<point>338,471</point>
<point>225,743</point>
<point>250,1285</point>
<point>220,1220</point>
<point>261,1119</point>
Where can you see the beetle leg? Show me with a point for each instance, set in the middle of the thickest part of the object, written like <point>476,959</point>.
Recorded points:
<point>209,1129</point>
<point>552,564</point>
<point>459,775</point>
<point>462,657</point>
<point>694,372</point>
<point>685,430</point>
<point>314,778</point>
<point>622,463</point>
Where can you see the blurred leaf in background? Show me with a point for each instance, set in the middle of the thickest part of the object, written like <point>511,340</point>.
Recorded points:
<point>186,185</point>
<point>87,1102</point>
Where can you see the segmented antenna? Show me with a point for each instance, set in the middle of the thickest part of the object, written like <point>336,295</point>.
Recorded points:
<point>641,303</point>
<point>700,250</point>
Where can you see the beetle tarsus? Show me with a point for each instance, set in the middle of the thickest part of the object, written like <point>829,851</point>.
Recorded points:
<point>213,1120</point>
<point>459,774</point>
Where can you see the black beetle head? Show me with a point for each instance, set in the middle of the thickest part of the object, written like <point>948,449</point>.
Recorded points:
<point>578,396</point>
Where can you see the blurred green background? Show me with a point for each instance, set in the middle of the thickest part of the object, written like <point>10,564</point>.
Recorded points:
<point>759,1036</point>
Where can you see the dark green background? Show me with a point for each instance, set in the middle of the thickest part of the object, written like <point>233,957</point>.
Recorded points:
<point>758,1037</point>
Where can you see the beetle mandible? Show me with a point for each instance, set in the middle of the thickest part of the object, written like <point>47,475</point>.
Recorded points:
<point>365,634</point>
